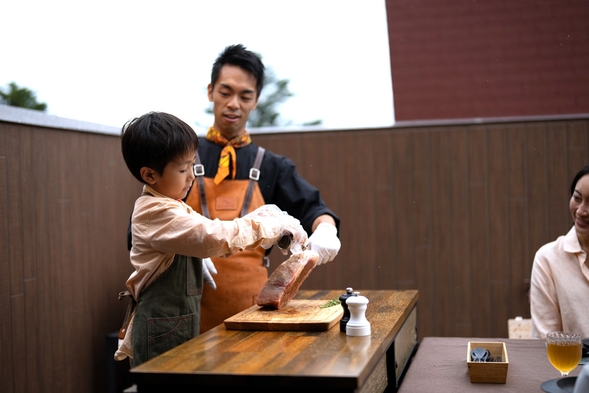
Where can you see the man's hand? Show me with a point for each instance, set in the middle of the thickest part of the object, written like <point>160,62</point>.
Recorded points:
<point>324,241</point>
<point>207,268</point>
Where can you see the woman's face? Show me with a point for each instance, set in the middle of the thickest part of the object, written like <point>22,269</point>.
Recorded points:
<point>579,206</point>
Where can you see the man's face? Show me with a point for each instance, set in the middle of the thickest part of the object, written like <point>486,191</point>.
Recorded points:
<point>234,97</point>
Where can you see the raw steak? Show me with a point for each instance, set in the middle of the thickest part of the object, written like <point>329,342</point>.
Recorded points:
<point>284,283</point>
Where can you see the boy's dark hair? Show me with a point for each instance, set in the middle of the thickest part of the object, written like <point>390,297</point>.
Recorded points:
<point>578,176</point>
<point>238,55</point>
<point>155,139</point>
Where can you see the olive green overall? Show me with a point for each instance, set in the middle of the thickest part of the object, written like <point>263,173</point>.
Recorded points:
<point>168,310</point>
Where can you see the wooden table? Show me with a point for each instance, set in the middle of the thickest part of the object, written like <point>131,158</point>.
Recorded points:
<point>294,361</point>
<point>440,366</point>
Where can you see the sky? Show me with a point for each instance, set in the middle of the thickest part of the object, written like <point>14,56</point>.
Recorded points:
<point>110,61</point>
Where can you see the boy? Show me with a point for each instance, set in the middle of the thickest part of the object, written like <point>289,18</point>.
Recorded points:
<point>170,239</point>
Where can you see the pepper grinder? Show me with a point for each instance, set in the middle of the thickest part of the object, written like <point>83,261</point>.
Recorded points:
<point>285,241</point>
<point>346,317</point>
<point>358,325</point>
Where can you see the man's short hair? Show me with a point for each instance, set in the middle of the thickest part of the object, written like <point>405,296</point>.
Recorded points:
<point>238,55</point>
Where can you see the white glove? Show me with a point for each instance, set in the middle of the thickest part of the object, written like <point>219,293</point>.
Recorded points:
<point>276,224</point>
<point>324,241</point>
<point>207,268</point>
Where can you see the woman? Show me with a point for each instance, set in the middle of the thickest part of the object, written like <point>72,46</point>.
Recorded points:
<point>559,293</point>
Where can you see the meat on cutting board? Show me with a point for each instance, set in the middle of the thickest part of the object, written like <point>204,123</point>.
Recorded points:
<point>285,281</point>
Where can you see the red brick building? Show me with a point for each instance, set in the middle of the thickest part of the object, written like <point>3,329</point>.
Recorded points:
<point>458,59</point>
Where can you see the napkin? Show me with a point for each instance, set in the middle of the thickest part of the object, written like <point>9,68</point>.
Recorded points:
<point>582,383</point>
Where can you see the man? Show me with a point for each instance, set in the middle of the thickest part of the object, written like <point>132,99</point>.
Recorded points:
<point>236,177</point>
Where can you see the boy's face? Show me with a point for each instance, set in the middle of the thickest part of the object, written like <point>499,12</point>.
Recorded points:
<point>176,179</point>
<point>234,97</point>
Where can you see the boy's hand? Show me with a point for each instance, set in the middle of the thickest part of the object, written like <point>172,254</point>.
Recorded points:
<point>207,268</point>
<point>278,223</point>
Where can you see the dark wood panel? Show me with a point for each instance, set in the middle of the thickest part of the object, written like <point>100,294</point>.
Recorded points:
<point>537,184</point>
<point>479,229</point>
<point>310,159</point>
<point>48,271</point>
<point>460,260</point>
<point>402,205</point>
<point>517,216</point>
<point>499,256</point>
<point>559,179</point>
<point>14,219</point>
<point>6,355</point>
<point>362,185</point>
<point>15,248</point>
<point>416,267</point>
<point>438,279</point>
<point>28,162</point>
<point>577,145</point>
<point>382,162</point>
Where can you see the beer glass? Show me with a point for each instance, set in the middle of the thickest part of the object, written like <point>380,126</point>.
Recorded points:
<point>564,351</point>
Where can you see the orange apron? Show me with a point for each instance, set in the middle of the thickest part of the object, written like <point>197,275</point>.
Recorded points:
<point>240,276</point>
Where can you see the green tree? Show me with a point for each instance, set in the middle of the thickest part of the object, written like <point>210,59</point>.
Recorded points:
<point>275,92</point>
<point>21,97</point>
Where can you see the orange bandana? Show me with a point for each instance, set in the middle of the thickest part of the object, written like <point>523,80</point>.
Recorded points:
<point>228,152</point>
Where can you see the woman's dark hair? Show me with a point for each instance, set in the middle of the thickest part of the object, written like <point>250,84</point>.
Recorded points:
<point>579,175</point>
<point>155,139</point>
<point>238,55</point>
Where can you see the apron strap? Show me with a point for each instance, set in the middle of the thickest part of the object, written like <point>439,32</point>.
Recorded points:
<point>254,177</point>
<point>128,314</point>
<point>199,172</point>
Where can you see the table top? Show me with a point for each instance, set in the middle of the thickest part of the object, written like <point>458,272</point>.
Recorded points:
<point>440,366</point>
<point>222,357</point>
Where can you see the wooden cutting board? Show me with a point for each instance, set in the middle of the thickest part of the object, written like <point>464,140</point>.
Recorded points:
<point>297,315</point>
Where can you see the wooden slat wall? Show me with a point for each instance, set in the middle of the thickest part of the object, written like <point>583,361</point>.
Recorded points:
<point>456,211</point>
<point>66,198</point>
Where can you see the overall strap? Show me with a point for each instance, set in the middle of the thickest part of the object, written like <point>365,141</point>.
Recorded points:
<point>199,172</point>
<point>254,177</point>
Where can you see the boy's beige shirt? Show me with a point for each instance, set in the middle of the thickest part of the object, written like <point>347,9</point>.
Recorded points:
<point>163,227</point>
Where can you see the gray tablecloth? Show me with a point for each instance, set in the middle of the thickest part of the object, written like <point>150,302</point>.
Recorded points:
<point>440,366</point>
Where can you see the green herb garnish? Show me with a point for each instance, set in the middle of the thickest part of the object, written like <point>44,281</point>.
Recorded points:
<point>331,303</point>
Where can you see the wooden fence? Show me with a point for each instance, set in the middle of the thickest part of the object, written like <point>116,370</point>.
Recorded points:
<point>454,209</point>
